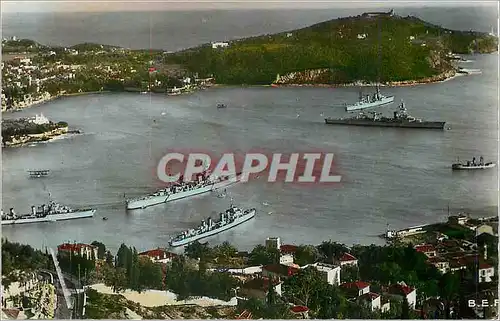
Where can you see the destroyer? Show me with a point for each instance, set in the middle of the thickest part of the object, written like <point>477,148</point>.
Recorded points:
<point>46,213</point>
<point>230,218</point>
<point>376,100</point>
<point>401,119</point>
<point>204,183</point>
<point>472,164</point>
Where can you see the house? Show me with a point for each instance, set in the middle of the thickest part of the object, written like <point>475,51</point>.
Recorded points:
<point>300,311</point>
<point>440,263</point>
<point>279,270</point>
<point>286,259</point>
<point>356,289</point>
<point>427,249</point>
<point>216,45</point>
<point>460,219</point>
<point>401,290</point>
<point>347,260</point>
<point>84,250</point>
<point>288,249</point>
<point>485,272</point>
<point>159,255</point>
<point>331,273</point>
<point>372,300</point>
<point>385,303</point>
<point>379,14</point>
<point>486,228</point>
<point>259,288</point>
<point>273,243</point>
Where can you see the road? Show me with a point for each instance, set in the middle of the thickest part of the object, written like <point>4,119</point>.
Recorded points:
<point>62,311</point>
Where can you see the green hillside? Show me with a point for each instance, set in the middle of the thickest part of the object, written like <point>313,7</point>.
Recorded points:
<point>410,48</point>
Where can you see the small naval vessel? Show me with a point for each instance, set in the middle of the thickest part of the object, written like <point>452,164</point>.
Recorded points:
<point>400,119</point>
<point>470,165</point>
<point>221,106</point>
<point>230,218</point>
<point>370,101</point>
<point>46,213</point>
<point>204,183</point>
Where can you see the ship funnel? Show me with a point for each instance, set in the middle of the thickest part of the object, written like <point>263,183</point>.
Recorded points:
<point>43,208</point>
<point>33,210</point>
<point>11,211</point>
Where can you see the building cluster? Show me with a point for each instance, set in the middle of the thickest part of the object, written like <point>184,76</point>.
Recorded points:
<point>23,81</point>
<point>454,255</point>
<point>446,255</point>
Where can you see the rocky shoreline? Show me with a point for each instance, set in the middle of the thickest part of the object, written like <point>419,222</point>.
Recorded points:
<point>444,76</point>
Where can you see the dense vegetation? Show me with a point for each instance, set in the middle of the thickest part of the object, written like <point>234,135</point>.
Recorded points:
<point>334,45</point>
<point>190,275</point>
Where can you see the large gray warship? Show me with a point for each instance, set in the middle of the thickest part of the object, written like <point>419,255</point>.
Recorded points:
<point>401,119</point>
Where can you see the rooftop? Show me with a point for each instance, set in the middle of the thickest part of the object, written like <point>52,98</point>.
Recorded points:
<point>281,269</point>
<point>158,253</point>
<point>357,285</point>
<point>74,246</point>
<point>346,257</point>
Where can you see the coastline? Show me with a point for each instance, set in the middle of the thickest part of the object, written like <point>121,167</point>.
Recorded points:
<point>52,98</point>
<point>443,77</point>
<point>43,137</point>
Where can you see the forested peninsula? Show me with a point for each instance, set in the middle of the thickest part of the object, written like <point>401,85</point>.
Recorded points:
<point>371,47</point>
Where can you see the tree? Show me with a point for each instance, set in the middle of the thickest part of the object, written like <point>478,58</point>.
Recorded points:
<point>101,248</point>
<point>197,250</point>
<point>306,254</point>
<point>405,309</point>
<point>330,250</point>
<point>304,286</point>
<point>262,255</point>
<point>449,287</point>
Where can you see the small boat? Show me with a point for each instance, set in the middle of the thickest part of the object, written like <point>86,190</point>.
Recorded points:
<point>220,106</point>
<point>104,218</point>
<point>38,173</point>
<point>470,165</point>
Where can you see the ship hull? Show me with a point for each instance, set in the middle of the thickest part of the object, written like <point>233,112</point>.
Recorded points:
<point>368,123</point>
<point>384,101</point>
<point>461,167</point>
<point>52,218</point>
<point>156,200</point>
<point>237,222</point>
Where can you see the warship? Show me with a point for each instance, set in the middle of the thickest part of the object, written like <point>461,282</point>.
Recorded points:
<point>471,165</point>
<point>230,218</point>
<point>370,101</point>
<point>400,119</point>
<point>203,184</point>
<point>46,213</point>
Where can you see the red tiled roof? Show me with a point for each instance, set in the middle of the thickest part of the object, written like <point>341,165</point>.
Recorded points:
<point>484,265</point>
<point>74,247</point>
<point>281,269</point>
<point>299,309</point>
<point>402,288</point>
<point>288,248</point>
<point>370,295</point>
<point>424,248</point>
<point>346,257</point>
<point>158,253</point>
<point>11,313</point>
<point>436,259</point>
<point>358,285</point>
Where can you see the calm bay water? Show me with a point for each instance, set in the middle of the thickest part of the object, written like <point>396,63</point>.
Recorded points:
<point>390,176</point>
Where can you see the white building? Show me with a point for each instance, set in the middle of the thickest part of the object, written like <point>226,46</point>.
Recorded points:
<point>486,273</point>
<point>159,255</point>
<point>372,300</point>
<point>331,273</point>
<point>216,45</point>
<point>273,243</point>
<point>40,120</point>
